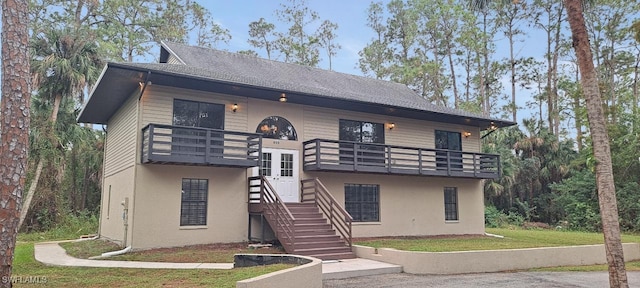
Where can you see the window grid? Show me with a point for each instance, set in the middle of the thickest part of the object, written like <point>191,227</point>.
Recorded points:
<point>450,204</point>
<point>265,166</point>
<point>193,211</point>
<point>362,201</point>
<point>286,165</point>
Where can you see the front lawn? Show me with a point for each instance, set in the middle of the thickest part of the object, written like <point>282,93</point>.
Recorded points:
<point>513,239</point>
<point>26,268</point>
<point>209,253</point>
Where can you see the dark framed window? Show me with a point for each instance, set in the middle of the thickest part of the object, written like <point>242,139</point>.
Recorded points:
<point>193,210</point>
<point>198,114</point>
<point>277,127</point>
<point>365,133</point>
<point>447,140</point>
<point>192,143</point>
<point>265,166</point>
<point>362,201</point>
<point>450,204</point>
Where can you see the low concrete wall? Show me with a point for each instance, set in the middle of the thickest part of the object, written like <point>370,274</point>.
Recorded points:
<point>307,275</point>
<point>493,260</point>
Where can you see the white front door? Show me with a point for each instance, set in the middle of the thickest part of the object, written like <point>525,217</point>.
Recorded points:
<point>280,167</point>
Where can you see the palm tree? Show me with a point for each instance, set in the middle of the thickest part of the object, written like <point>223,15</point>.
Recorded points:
<point>600,140</point>
<point>14,132</point>
<point>64,64</point>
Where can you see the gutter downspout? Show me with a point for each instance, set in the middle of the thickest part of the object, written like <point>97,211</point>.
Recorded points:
<point>144,86</point>
<point>135,174</point>
<point>112,253</point>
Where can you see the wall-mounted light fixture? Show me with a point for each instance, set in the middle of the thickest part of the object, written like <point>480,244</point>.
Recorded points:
<point>466,134</point>
<point>234,107</point>
<point>283,97</point>
<point>391,125</point>
<point>493,126</point>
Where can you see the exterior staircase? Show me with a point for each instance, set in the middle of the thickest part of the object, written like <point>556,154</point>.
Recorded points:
<point>316,227</point>
<point>314,236</point>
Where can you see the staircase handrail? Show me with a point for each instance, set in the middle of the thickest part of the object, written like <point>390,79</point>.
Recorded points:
<point>337,215</point>
<point>279,216</point>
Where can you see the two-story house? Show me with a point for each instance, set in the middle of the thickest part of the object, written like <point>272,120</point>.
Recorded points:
<point>209,146</point>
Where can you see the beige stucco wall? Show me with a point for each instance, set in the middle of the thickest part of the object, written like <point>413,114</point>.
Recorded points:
<point>119,171</point>
<point>413,205</point>
<point>116,188</point>
<point>493,260</point>
<point>156,222</point>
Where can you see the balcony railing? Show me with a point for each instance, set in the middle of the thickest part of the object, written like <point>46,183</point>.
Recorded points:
<point>167,144</point>
<point>332,155</point>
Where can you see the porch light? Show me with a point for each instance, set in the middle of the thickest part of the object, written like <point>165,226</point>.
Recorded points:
<point>234,108</point>
<point>466,134</point>
<point>391,125</point>
<point>283,97</point>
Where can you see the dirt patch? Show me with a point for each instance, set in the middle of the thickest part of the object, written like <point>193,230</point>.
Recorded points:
<point>206,253</point>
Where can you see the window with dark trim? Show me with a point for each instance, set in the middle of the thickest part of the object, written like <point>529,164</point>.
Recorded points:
<point>450,203</point>
<point>193,210</point>
<point>447,140</point>
<point>365,133</point>
<point>362,201</point>
<point>192,142</point>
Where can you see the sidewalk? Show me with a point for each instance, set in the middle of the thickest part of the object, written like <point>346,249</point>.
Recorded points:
<point>50,253</point>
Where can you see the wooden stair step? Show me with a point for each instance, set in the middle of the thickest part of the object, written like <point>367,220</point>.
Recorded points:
<point>317,233</point>
<point>319,244</point>
<point>316,238</point>
<point>325,250</point>
<point>335,256</point>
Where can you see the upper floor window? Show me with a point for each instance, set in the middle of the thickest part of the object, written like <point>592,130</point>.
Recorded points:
<point>277,127</point>
<point>448,140</point>
<point>198,114</point>
<point>361,131</point>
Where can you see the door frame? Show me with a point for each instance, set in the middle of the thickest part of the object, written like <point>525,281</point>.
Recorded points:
<point>255,171</point>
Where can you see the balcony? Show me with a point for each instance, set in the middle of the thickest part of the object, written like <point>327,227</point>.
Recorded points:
<point>345,156</point>
<point>167,144</point>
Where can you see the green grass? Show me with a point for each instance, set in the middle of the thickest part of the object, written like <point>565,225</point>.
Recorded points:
<point>71,227</point>
<point>513,239</point>
<point>26,266</point>
<point>88,248</point>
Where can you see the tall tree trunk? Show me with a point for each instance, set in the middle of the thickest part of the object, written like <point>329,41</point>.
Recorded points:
<point>54,112</point>
<point>576,108</point>
<point>14,122</point>
<point>30,193</point>
<point>36,178</point>
<point>514,107</point>
<point>601,149</point>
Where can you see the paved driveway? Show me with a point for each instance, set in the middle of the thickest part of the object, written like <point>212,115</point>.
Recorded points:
<point>516,279</point>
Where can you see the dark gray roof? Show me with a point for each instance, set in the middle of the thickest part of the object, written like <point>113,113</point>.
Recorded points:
<point>224,72</point>
<point>250,70</point>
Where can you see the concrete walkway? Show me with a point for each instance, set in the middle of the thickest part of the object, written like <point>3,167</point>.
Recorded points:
<point>54,255</point>
<point>50,253</point>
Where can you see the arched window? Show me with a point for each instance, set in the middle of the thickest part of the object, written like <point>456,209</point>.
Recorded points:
<point>277,127</point>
